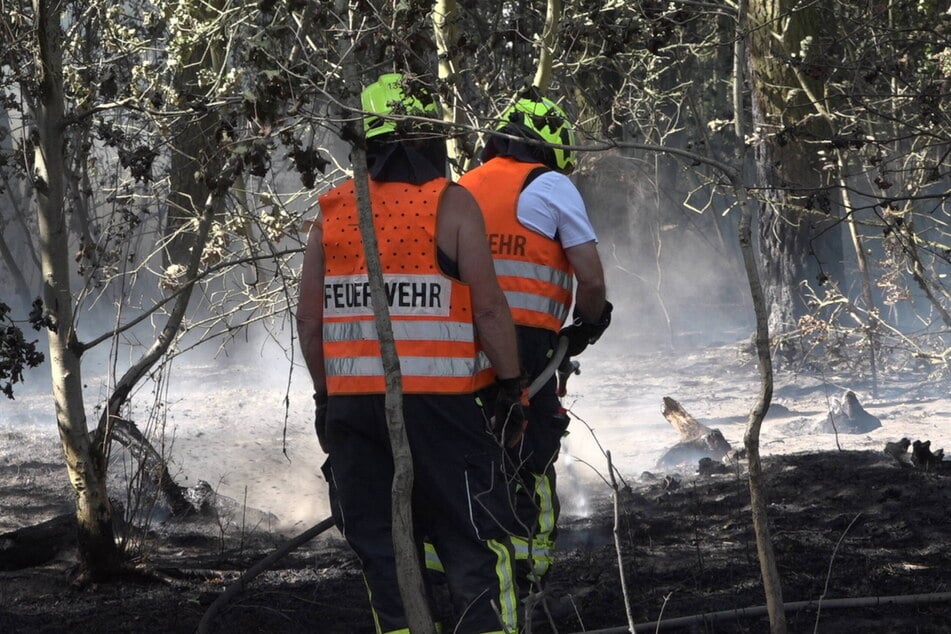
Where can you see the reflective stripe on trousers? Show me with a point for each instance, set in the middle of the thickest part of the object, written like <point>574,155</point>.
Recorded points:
<point>433,562</point>
<point>540,552</point>
<point>507,600</point>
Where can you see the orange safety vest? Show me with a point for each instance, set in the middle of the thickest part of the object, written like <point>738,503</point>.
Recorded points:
<point>533,269</point>
<point>431,312</point>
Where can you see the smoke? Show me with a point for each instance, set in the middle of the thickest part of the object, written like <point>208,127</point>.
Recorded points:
<point>675,276</point>
<point>243,421</point>
<point>676,280</point>
<point>240,415</point>
<point>615,406</point>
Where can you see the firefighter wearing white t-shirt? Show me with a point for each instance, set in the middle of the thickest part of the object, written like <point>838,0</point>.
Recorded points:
<point>544,247</point>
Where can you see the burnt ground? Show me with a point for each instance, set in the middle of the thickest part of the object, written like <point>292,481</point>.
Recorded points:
<point>851,524</point>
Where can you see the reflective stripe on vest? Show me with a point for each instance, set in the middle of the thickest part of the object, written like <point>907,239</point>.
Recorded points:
<point>431,313</point>
<point>538,301</point>
<point>515,268</point>
<point>402,330</point>
<point>419,367</point>
<point>533,269</point>
<point>535,303</point>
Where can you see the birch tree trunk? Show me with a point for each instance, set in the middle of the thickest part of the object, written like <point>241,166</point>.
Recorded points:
<point>549,38</point>
<point>85,462</point>
<point>445,14</point>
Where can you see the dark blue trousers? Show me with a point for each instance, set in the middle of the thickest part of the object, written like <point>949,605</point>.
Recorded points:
<point>463,503</point>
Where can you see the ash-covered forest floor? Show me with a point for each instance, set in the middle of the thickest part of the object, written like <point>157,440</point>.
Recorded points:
<point>848,522</point>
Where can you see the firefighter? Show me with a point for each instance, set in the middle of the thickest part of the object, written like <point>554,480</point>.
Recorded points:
<point>543,245</point>
<point>454,336</point>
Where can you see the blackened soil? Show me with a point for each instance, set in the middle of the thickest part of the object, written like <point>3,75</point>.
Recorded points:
<point>844,525</point>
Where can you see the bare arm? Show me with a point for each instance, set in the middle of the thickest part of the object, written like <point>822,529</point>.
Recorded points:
<point>591,293</point>
<point>461,236</point>
<point>310,309</point>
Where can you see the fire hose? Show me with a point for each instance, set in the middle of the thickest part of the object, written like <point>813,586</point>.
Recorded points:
<point>554,364</point>
<point>565,366</point>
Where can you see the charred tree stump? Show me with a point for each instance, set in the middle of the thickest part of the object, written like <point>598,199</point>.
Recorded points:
<point>686,425</point>
<point>127,434</point>
<point>696,439</point>
<point>849,417</point>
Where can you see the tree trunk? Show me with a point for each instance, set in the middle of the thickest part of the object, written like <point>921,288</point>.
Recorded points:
<point>759,504</point>
<point>22,290</point>
<point>798,235</point>
<point>445,15</point>
<point>546,45</point>
<point>862,262</point>
<point>6,253</point>
<point>769,570</point>
<point>98,553</point>
<point>20,217</point>
<point>77,186</point>
<point>195,155</point>
<point>409,573</point>
<point>408,570</point>
<point>688,427</point>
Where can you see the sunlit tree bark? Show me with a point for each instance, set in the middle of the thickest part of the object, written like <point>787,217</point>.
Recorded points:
<point>445,14</point>
<point>85,462</point>
<point>547,42</point>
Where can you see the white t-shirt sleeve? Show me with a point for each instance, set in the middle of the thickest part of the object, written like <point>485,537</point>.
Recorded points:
<point>552,205</point>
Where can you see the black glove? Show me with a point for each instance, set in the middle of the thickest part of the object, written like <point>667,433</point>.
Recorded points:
<point>320,419</point>
<point>509,422</point>
<point>582,334</point>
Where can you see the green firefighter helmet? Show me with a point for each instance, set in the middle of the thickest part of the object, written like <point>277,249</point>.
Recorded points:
<point>543,119</point>
<point>386,96</point>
